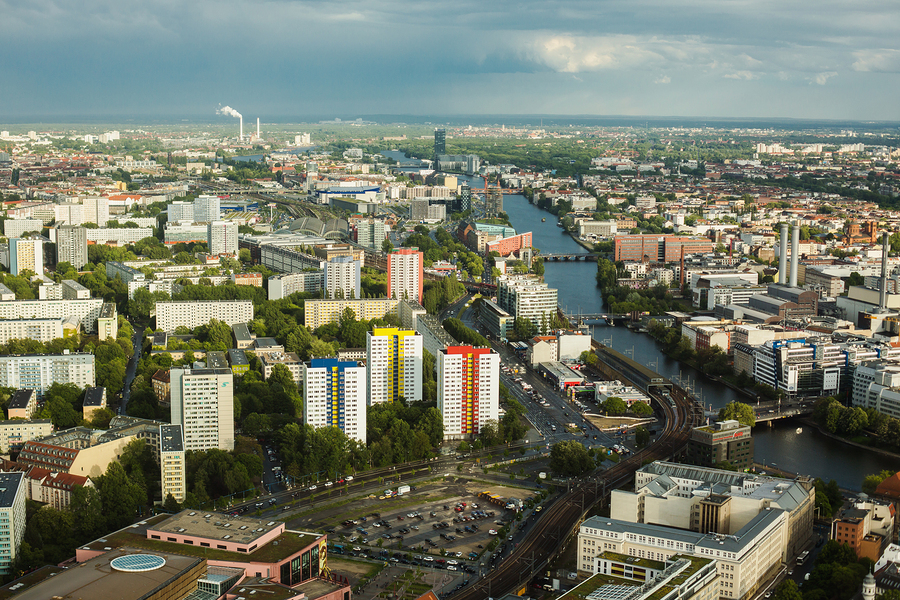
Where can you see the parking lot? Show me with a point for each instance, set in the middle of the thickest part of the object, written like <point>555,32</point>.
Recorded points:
<point>441,525</point>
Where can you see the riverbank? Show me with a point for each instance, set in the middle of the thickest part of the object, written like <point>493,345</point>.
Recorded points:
<point>886,453</point>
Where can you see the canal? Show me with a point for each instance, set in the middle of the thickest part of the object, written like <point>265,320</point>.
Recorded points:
<point>805,451</point>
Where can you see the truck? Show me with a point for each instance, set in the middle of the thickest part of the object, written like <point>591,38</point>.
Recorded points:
<point>403,489</point>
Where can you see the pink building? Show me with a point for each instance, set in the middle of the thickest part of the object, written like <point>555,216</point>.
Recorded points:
<point>261,549</point>
<point>507,246</point>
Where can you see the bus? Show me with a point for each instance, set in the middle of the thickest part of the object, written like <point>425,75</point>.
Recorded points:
<point>802,558</point>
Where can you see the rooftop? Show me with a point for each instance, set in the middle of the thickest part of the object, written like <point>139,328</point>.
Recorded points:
<point>94,396</point>
<point>9,485</point>
<point>96,578</point>
<point>171,438</point>
<point>20,399</point>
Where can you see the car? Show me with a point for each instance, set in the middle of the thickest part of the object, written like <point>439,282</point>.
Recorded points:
<point>313,487</point>
<point>492,532</point>
<point>791,572</point>
<point>769,594</point>
<point>452,568</point>
<point>328,484</point>
<point>428,559</point>
<point>348,478</point>
<point>452,562</point>
<point>356,549</point>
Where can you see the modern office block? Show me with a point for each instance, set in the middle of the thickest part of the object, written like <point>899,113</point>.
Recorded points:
<point>468,393</point>
<point>394,359</point>
<point>203,403</point>
<point>334,395</point>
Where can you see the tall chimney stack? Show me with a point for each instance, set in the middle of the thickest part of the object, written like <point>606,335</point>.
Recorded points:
<point>782,260</point>
<point>885,240</point>
<point>795,255</point>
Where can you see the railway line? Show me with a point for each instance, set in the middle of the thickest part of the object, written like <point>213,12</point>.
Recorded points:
<point>552,531</point>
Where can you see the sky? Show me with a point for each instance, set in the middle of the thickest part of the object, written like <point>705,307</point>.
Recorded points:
<point>812,59</point>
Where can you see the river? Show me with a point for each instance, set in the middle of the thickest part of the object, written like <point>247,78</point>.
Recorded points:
<point>807,452</point>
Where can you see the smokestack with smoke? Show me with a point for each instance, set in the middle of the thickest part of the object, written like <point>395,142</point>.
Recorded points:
<point>227,110</point>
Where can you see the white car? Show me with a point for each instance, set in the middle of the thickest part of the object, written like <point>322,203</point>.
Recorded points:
<point>452,562</point>
<point>492,532</point>
<point>328,484</point>
<point>429,559</point>
<point>313,487</point>
<point>348,478</point>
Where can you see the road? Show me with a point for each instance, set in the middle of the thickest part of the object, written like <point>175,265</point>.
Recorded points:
<point>137,340</point>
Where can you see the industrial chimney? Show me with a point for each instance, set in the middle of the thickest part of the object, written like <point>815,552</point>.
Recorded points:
<point>795,255</point>
<point>885,239</point>
<point>782,260</point>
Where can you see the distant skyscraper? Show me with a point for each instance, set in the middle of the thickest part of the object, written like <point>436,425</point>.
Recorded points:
<point>394,360</point>
<point>334,395</point>
<point>221,237</point>
<point>464,200</point>
<point>468,393</point>
<point>342,278</point>
<point>440,142</point>
<point>71,245</point>
<point>405,274</point>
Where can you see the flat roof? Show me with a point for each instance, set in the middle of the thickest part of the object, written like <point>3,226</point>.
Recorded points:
<point>96,578</point>
<point>238,357</point>
<point>107,310</point>
<point>171,438</point>
<point>9,485</point>
<point>216,360</point>
<point>211,525</point>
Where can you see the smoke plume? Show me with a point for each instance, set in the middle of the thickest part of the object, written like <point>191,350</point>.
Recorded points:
<point>227,110</point>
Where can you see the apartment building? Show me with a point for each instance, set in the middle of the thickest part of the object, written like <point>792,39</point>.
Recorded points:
<point>525,296</point>
<point>290,360</point>
<point>94,400</point>
<point>203,404</point>
<point>876,384</point>
<point>181,232</point>
<point>108,322</point>
<point>95,210</point>
<point>509,245</point>
<point>405,274</point>
<point>321,312</point>
<point>222,237</point>
<point>39,371</point>
<point>207,209</point>
<point>118,235</point>
<point>180,211</point>
<point>342,278</point>
<point>14,433</point>
<point>14,228</point>
<point>282,286</point>
<point>334,395</point>
<point>26,254</point>
<point>42,330</point>
<point>72,245</point>
<point>173,475</point>
<point>22,404</point>
<point>12,518</point>
<point>394,359</point>
<point>371,233</point>
<point>468,392</point>
<point>171,315</point>
<point>659,248</point>
<point>866,526</point>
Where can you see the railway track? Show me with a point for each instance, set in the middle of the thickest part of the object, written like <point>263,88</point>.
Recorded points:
<point>552,531</point>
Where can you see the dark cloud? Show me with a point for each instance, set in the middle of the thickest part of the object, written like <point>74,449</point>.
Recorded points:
<point>695,57</point>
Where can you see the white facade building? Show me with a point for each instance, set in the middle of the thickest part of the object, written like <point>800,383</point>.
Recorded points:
<point>180,211</point>
<point>87,311</point>
<point>203,404</point>
<point>207,209</point>
<point>342,278</point>
<point>71,245</point>
<point>12,518</point>
<point>119,235</point>
<point>95,210</point>
<point>42,330</point>
<point>26,254</point>
<point>39,371</point>
<point>876,384</point>
<point>334,395</point>
<point>171,315</point>
<point>282,286</point>
<point>173,475</point>
<point>13,228</point>
<point>525,296</point>
<point>222,238</point>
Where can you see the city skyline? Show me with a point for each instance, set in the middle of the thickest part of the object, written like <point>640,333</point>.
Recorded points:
<point>703,59</point>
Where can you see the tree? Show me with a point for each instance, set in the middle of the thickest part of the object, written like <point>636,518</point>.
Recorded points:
<point>873,481</point>
<point>614,406</point>
<point>641,409</point>
<point>738,411</point>
<point>855,279</point>
<point>788,590</point>
<point>570,458</point>
<point>641,435</point>
<point>386,246</point>
<point>171,504</point>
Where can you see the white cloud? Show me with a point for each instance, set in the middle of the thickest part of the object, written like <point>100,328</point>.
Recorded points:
<point>576,54</point>
<point>663,79</point>
<point>885,60</point>
<point>742,75</point>
<point>822,78</point>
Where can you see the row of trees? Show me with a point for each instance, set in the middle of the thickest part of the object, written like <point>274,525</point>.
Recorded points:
<point>852,421</point>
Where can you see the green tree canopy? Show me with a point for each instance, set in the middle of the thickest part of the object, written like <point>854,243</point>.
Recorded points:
<point>738,411</point>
